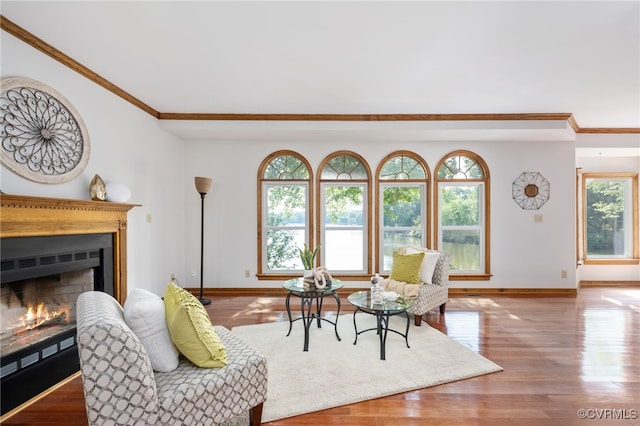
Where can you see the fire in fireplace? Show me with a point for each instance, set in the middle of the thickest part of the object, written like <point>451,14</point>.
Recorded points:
<point>37,309</point>
<point>41,279</point>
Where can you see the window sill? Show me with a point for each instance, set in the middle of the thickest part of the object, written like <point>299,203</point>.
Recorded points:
<point>284,277</point>
<point>470,277</point>
<point>611,262</point>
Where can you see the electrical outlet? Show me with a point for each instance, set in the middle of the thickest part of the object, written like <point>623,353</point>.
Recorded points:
<point>193,272</point>
<point>148,217</point>
<point>563,274</point>
<point>247,273</point>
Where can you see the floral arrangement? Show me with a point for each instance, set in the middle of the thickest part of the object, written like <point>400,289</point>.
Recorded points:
<point>308,257</point>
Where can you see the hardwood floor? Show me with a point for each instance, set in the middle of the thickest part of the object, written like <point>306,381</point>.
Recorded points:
<point>559,354</point>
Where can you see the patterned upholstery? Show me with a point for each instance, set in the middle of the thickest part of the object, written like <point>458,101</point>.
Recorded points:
<point>121,388</point>
<point>431,296</point>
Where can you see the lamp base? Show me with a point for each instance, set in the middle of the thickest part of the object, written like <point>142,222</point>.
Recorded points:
<point>204,300</point>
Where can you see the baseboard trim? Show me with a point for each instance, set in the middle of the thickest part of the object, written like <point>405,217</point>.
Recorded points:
<point>253,291</point>
<point>276,291</point>
<point>513,291</point>
<point>609,283</point>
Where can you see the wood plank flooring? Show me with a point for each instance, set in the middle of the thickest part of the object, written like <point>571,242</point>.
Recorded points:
<point>559,354</point>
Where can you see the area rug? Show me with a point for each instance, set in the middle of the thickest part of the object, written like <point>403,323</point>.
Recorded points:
<point>334,373</point>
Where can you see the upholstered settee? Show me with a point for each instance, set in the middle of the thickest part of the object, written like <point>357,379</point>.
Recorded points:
<point>121,388</point>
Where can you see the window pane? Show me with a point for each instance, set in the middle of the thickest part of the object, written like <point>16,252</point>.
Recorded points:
<point>393,240</point>
<point>343,250</point>
<point>286,167</point>
<point>282,249</point>
<point>402,206</point>
<point>285,227</point>
<point>344,205</point>
<point>608,218</point>
<point>463,247</point>
<point>459,205</point>
<point>344,167</point>
<point>402,167</point>
<point>286,205</point>
<point>343,228</point>
<point>460,167</point>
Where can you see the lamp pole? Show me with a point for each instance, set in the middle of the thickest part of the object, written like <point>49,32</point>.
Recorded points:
<point>202,186</point>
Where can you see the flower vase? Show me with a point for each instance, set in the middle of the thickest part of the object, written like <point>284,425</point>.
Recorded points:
<point>307,273</point>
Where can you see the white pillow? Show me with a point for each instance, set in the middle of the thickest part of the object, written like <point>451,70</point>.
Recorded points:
<point>144,313</point>
<point>428,266</point>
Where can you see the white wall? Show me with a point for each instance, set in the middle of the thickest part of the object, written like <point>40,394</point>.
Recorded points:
<point>591,161</point>
<point>128,147</point>
<point>524,253</point>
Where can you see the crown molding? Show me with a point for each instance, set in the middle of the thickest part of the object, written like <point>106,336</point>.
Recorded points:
<point>39,44</point>
<point>364,117</point>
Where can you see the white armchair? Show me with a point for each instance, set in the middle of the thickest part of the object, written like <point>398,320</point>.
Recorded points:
<point>434,294</point>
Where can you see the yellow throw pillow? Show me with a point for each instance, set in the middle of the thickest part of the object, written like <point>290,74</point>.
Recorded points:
<point>191,330</point>
<point>406,267</point>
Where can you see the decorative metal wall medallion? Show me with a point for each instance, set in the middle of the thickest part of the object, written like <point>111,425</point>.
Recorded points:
<point>530,190</point>
<point>43,136</point>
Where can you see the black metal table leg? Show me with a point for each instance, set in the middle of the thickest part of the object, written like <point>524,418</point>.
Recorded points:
<point>335,324</point>
<point>383,328</point>
<point>406,333</point>
<point>288,312</point>
<point>306,320</point>
<point>355,327</point>
<point>319,310</point>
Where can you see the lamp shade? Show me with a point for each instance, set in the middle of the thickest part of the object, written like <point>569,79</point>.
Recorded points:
<point>203,184</point>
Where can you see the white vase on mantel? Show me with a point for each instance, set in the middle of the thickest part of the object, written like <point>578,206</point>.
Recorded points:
<point>307,273</point>
<point>117,192</point>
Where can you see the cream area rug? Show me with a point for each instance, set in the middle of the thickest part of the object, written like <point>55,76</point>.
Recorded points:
<point>334,373</point>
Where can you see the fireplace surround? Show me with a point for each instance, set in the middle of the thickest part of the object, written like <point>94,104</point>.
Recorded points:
<point>45,240</point>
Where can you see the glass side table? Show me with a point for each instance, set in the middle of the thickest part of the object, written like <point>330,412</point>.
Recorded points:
<point>382,311</point>
<point>295,287</point>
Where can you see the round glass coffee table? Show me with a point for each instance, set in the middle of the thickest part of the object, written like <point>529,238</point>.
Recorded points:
<point>295,287</point>
<point>382,311</point>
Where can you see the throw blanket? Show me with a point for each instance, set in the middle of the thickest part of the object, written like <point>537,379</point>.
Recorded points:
<point>407,290</point>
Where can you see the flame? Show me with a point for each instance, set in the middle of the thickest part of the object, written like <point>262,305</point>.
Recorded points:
<point>39,314</point>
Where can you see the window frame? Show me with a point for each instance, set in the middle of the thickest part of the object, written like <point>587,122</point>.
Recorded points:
<point>634,258</point>
<point>263,183</point>
<point>382,183</point>
<point>322,183</point>
<point>484,273</point>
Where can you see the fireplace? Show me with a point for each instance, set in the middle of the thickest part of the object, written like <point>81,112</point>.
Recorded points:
<point>52,250</point>
<point>41,279</point>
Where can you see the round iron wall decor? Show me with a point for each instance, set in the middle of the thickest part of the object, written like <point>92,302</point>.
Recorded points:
<point>43,136</point>
<point>530,190</point>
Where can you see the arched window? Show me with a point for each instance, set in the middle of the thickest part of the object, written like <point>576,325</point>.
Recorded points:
<point>284,212</point>
<point>402,205</point>
<point>462,215</point>
<point>344,208</point>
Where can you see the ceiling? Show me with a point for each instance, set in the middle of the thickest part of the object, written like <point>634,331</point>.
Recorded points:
<point>361,57</point>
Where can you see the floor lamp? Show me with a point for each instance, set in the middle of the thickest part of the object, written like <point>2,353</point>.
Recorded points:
<point>202,186</point>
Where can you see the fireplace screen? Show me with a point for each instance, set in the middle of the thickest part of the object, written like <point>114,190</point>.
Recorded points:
<point>39,309</point>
